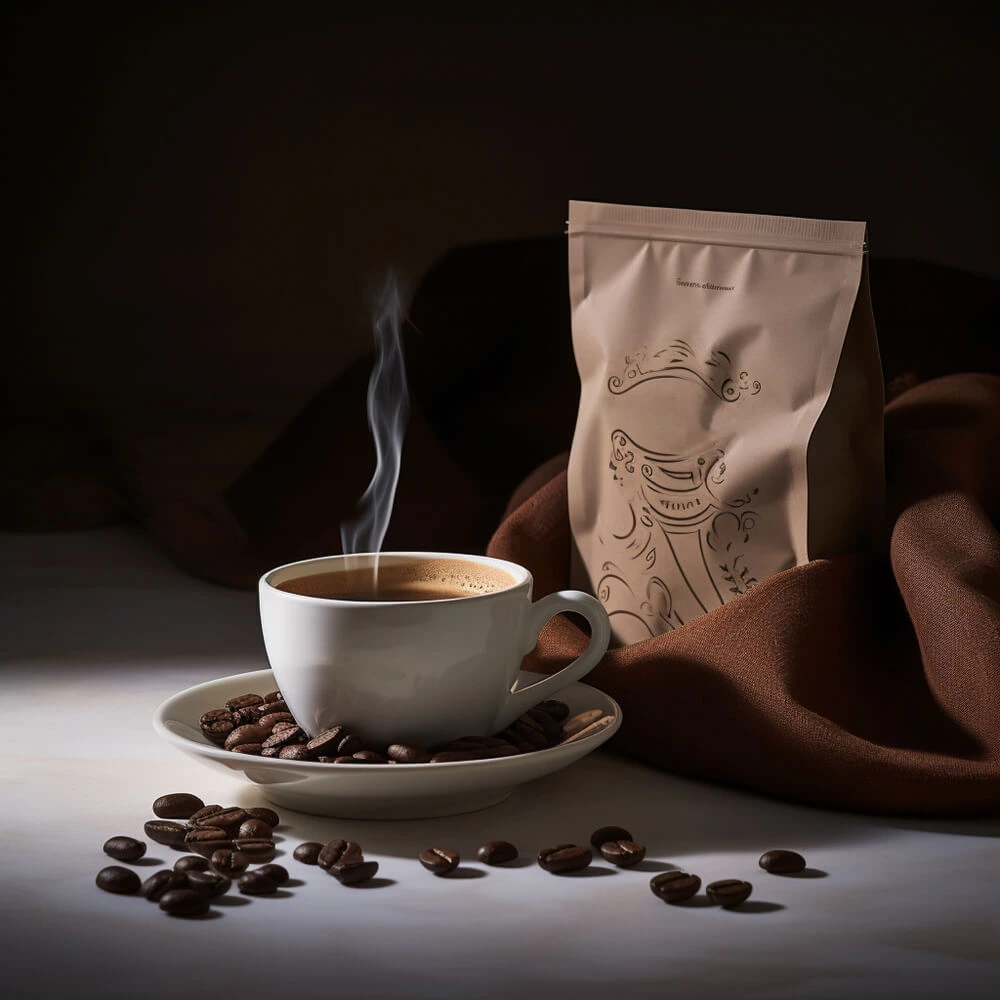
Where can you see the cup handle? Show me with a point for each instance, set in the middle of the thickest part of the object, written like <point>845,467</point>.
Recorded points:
<point>519,700</point>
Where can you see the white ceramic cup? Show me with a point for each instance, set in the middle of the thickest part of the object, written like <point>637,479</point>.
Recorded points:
<point>415,671</point>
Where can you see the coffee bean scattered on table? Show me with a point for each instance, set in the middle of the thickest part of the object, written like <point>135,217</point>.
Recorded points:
<point>124,848</point>
<point>166,831</point>
<point>229,863</point>
<point>308,852</point>
<point>276,873</point>
<point>257,884</point>
<point>161,882</point>
<point>268,816</point>
<point>605,833</point>
<point>564,858</point>
<point>782,862</point>
<point>674,886</point>
<point>439,860</point>
<point>184,903</point>
<point>177,805</point>
<point>209,883</point>
<point>354,874</point>
<point>191,863</point>
<point>122,881</point>
<point>339,852</point>
<point>623,853</point>
<point>497,852</point>
<point>728,892</point>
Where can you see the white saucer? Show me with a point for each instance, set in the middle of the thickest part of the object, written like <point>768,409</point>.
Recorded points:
<point>374,791</point>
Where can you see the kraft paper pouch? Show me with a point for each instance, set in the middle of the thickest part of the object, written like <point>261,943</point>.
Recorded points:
<point>730,421</point>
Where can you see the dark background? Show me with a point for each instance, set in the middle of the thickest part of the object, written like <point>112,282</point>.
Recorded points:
<point>202,204</point>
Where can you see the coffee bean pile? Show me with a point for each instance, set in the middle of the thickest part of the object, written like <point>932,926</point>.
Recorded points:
<point>261,726</point>
<point>227,840</point>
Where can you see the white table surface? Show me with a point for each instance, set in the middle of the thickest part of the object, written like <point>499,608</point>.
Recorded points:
<point>96,628</point>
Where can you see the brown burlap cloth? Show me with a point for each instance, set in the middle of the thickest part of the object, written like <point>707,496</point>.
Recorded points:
<point>846,682</point>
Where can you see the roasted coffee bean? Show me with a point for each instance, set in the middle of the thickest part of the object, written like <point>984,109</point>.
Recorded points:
<point>595,727</point>
<point>406,753</point>
<point>339,851</point>
<point>449,756</point>
<point>525,730</point>
<point>276,873</point>
<point>283,736</point>
<point>202,816</point>
<point>184,903</point>
<point>124,848</point>
<point>580,721</point>
<point>210,884</point>
<point>165,831</point>
<point>256,884</point>
<point>250,749</point>
<point>564,858</point>
<point>328,741</point>
<point>489,753</point>
<point>623,853</point>
<point>122,881</point>
<point>295,751</point>
<point>230,820</point>
<point>269,816</point>
<point>280,727</point>
<point>243,735</point>
<point>439,860</point>
<point>605,833</point>
<point>228,862</point>
<point>497,852</point>
<point>254,829</point>
<point>269,751</point>
<point>728,892</point>
<point>674,887</point>
<point>551,728</point>
<point>244,716</point>
<point>368,757</point>
<point>272,708</point>
<point>354,873</point>
<point>782,862</point>
<point>559,710</point>
<point>350,744</point>
<point>177,805</point>
<point>244,701</point>
<point>308,853</point>
<point>255,850</point>
<point>273,696</point>
<point>201,834</point>
<point>191,863</point>
<point>217,725</point>
<point>163,881</point>
<point>270,720</point>
<point>206,848</point>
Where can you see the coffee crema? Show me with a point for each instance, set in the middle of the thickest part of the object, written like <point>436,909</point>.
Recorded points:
<point>429,580</point>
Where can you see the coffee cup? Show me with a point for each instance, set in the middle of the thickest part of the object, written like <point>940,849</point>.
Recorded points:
<point>413,647</point>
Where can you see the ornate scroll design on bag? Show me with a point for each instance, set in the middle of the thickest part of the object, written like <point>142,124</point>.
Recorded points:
<point>679,515</point>
<point>678,360</point>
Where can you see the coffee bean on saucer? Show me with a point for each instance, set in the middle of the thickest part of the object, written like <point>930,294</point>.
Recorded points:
<point>269,721</point>
<point>217,725</point>
<point>295,751</point>
<point>564,858</point>
<point>244,701</point>
<point>228,862</point>
<point>191,863</point>
<point>605,833</point>
<point>551,728</point>
<point>124,848</point>
<point>728,892</point>
<point>308,853</point>
<point>674,886</point>
<point>165,831</point>
<point>526,730</point>
<point>269,816</point>
<point>439,860</point>
<point>337,851</point>
<point>489,753</point>
<point>184,903</point>
<point>273,696</point>
<point>497,852</point>
<point>353,874</point>
<point>328,741</point>
<point>406,753</point>
<point>210,884</point>
<point>782,862</point>
<point>623,853</point>
<point>283,736</point>
<point>276,873</point>
<point>595,727</point>
<point>559,710</point>
<point>122,881</point>
<point>256,884</point>
<point>269,751</point>
<point>449,756</point>
<point>580,721</point>
<point>243,735</point>
<point>177,805</point>
<point>368,757</point>
<point>255,850</point>
<point>248,749</point>
<point>276,707</point>
<point>244,716</point>
<point>202,816</point>
<point>254,829</point>
<point>163,881</point>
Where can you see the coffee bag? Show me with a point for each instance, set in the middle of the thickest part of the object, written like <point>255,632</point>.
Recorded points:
<point>730,421</point>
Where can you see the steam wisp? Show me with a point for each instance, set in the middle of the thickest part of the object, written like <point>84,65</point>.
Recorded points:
<point>388,410</point>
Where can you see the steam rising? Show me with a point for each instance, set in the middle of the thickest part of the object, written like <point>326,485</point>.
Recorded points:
<point>388,410</point>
